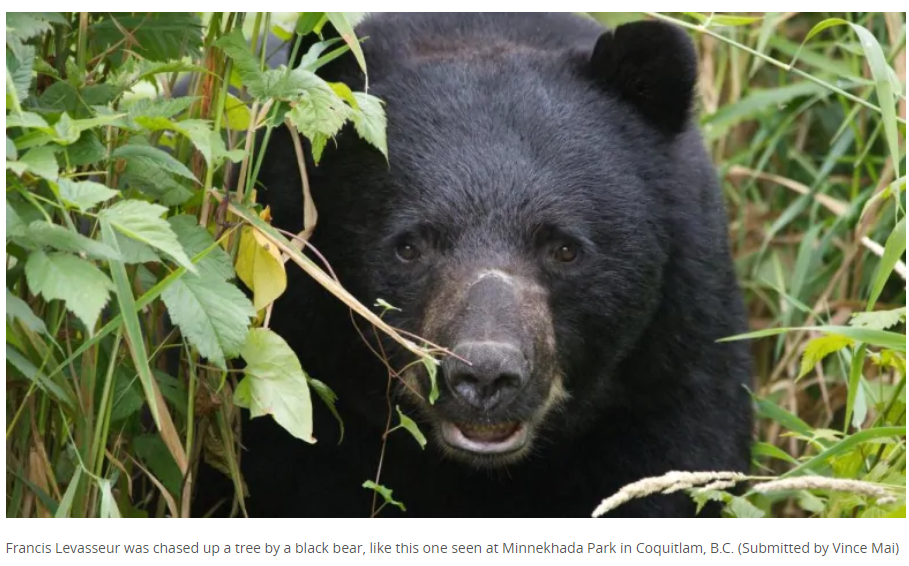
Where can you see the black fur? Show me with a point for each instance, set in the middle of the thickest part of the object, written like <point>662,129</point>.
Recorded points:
<point>501,127</point>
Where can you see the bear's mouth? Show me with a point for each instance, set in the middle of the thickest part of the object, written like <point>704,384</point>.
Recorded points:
<point>495,438</point>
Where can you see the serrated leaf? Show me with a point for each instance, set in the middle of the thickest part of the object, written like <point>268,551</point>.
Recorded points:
<point>20,63</point>
<point>275,383</point>
<point>66,132</point>
<point>79,284</point>
<point>879,320</point>
<point>84,195</point>
<point>370,121</point>
<point>212,314</point>
<point>318,110</point>
<point>410,426</point>
<point>41,161</point>
<point>142,221</point>
<point>385,493</point>
<point>86,150</point>
<point>744,509</point>
<point>15,226</point>
<point>43,234</point>
<point>134,251</point>
<point>819,348</point>
<point>154,158</point>
<point>259,266</point>
<point>156,36</point>
<point>16,308</point>
<point>195,239</point>
<point>26,120</point>
<point>245,63</point>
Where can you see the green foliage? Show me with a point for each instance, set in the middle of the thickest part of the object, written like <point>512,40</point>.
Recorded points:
<point>122,251</point>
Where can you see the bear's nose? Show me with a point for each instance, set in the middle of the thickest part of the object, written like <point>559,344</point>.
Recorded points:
<point>495,374</point>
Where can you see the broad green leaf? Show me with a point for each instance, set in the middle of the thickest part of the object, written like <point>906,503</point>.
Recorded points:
<point>259,266</point>
<point>893,250</point>
<point>86,151</point>
<point>84,195</point>
<point>275,384</point>
<point>212,314</point>
<point>11,153</point>
<point>236,114</point>
<point>27,120</point>
<point>65,130</point>
<point>385,493</point>
<point>20,62</point>
<point>154,158</point>
<point>41,162</point>
<point>408,424</point>
<point>16,308</point>
<point>142,221</point>
<point>43,234</point>
<point>879,320</point>
<point>155,36</point>
<point>15,226</point>
<point>319,110</point>
<point>79,284</point>
<point>370,122</point>
<point>819,348</point>
<point>134,251</point>
<point>195,239</point>
<point>245,63</point>
<point>744,509</point>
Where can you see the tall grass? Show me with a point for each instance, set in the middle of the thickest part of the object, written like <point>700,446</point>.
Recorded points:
<point>109,410</point>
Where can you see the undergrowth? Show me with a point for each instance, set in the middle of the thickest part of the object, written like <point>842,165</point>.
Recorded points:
<point>119,211</point>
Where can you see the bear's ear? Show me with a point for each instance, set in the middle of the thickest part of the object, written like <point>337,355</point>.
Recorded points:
<point>651,65</point>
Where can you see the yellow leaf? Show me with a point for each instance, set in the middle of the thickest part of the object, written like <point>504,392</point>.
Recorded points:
<point>819,348</point>
<point>259,266</point>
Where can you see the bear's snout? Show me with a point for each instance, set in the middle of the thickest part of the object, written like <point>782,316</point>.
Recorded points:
<point>486,374</point>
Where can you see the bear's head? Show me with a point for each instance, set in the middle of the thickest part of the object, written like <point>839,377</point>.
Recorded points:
<point>516,222</point>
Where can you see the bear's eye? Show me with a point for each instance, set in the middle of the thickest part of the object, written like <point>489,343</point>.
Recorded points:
<point>407,252</point>
<point>565,253</point>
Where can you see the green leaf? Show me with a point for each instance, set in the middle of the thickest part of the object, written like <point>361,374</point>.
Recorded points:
<point>43,234</point>
<point>134,251</point>
<point>744,509</point>
<point>384,492</point>
<point>246,64</point>
<point>879,320</point>
<point>41,162</point>
<point>81,285</point>
<point>719,20</point>
<point>16,308</point>
<point>881,338</point>
<point>67,501</point>
<point>156,36</point>
<point>84,195</point>
<point>331,401</point>
<point>11,153</point>
<point>342,22</point>
<point>236,114</point>
<point>275,383</point>
<point>431,364</point>
<point>142,221</point>
<point>212,314</point>
<point>819,348</point>
<point>319,110</point>
<point>86,151</point>
<point>65,130</point>
<point>152,157</point>
<point>757,102</point>
<point>893,250</point>
<point>309,21</point>
<point>26,120</point>
<point>19,70</point>
<point>107,509</point>
<point>195,239</point>
<point>845,445</point>
<point>370,121</point>
<point>15,226</point>
<point>408,424</point>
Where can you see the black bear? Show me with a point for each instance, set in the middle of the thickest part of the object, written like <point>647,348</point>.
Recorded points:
<point>548,214</point>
